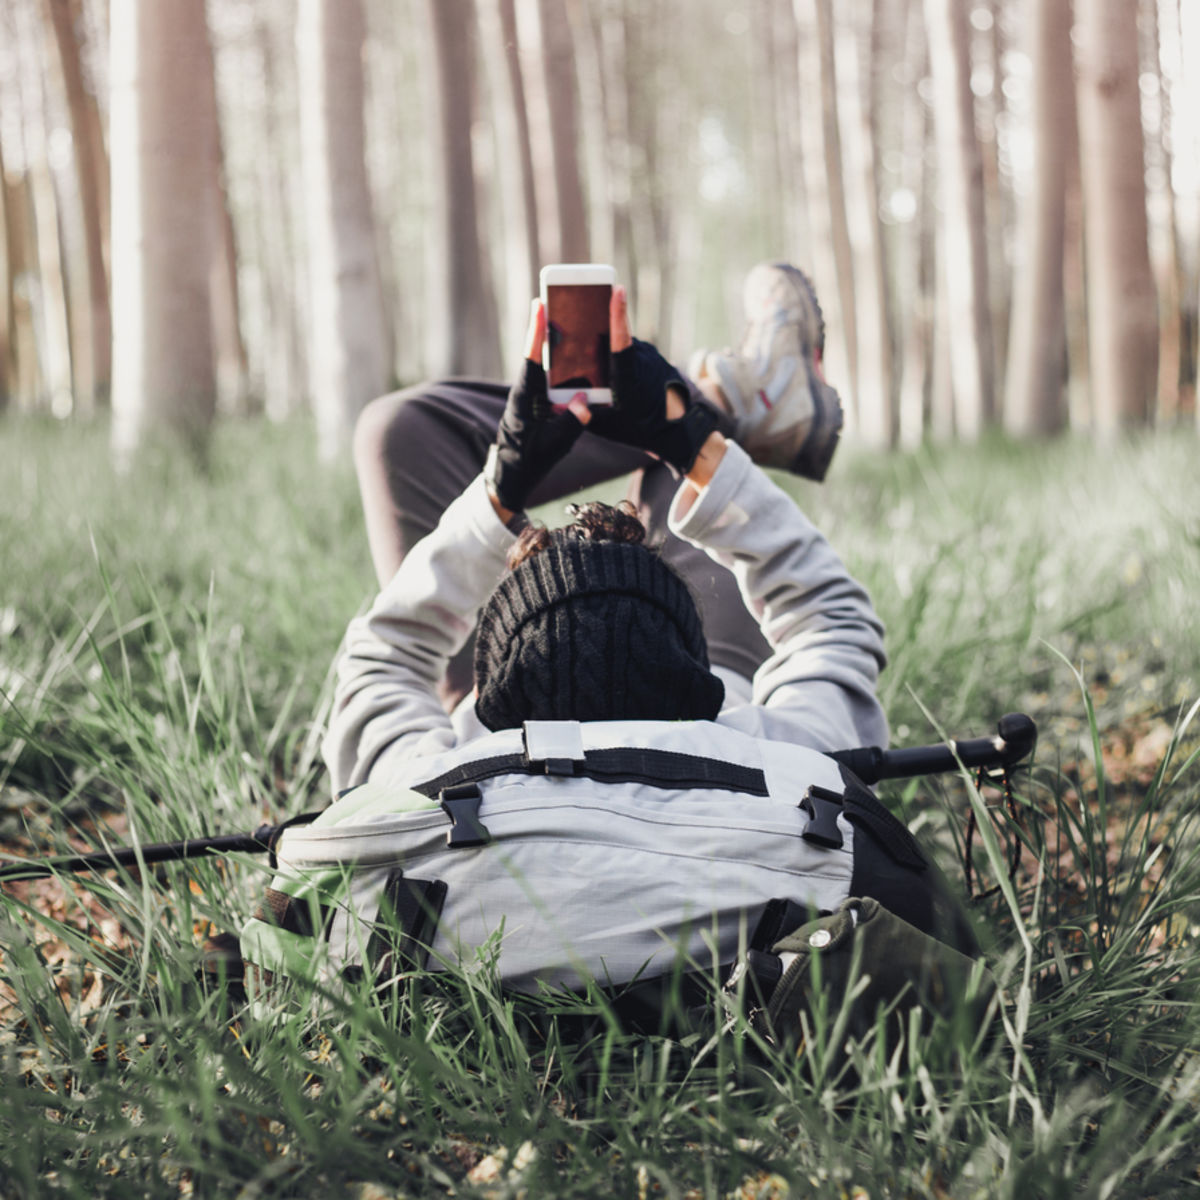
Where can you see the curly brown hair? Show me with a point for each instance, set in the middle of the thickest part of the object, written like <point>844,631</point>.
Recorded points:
<point>591,522</point>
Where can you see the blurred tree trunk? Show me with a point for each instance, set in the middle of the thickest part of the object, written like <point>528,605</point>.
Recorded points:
<point>1122,305</point>
<point>765,137</point>
<point>283,362</point>
<point>52,320</point>
<point>348,339</point>
<point>228,346</point>
<point>1034,401</point>
<point>593,99</point>
<point>858,49</point>
<point>797,239</point>
<point>499,27</point>
<point>612,35</point>
<point>992,114</point>
<point>1189,102</point>
<point>163,368</point>
<point>1079,390</point>
<point>6,292</point>
<point>820,256</point>
<point>839,223</point>
<point>1169,265</point>
<point>914,263</point>
<point>465,324</point>
<point>26,379</point>
<point>963,249</point>
<point>651,105</point>
<point>91,331</point>
<point>562,97</point>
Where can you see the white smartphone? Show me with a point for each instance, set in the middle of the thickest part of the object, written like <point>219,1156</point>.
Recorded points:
<point>576,355</point>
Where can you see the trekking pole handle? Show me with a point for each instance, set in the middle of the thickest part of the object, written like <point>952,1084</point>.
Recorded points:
<point>1015,738</point>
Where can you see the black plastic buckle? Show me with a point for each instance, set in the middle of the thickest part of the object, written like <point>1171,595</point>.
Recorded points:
<point>559,766</point>
<point>823,806</point>
<point>461,804</point>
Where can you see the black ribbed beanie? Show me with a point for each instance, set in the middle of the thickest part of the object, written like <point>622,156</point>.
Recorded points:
<point>592,631</point>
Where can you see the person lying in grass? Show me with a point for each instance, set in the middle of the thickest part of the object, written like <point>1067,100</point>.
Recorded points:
<point>590,623</point>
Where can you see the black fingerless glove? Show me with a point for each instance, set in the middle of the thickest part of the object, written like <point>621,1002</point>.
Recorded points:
<point>638,413</point>
<point>532,437</point>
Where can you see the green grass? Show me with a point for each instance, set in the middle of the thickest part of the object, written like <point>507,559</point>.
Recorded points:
<point>164,652</point>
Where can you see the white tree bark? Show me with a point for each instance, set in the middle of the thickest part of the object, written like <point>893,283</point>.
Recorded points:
<point>349,355</point>
<point>163,373</point>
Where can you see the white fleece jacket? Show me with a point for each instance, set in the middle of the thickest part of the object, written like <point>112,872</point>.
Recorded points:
<point>817,689</point>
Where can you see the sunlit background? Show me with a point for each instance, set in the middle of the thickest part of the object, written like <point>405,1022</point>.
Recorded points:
<point>999,201</point>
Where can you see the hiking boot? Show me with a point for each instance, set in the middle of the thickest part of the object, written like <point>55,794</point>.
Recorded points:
<point>786,415</point>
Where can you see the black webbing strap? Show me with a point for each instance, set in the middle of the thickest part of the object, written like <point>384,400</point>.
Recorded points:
<point>656,768</point>
<point>408,915</point>
<point>866,812</point>
<point>292,915</point>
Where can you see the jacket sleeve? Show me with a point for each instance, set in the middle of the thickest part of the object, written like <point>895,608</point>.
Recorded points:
<point>386,709</point>
<point>817,688</point>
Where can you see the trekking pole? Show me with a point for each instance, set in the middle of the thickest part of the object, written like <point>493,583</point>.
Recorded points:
<point>1016,736</point>
<point>261,841</point>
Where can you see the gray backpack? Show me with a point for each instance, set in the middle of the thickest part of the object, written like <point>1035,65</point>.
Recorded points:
<point>559,854</point>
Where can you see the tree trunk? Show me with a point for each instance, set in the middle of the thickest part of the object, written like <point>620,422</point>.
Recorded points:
<point>915,262</point>
<point>1189,102</point>
<point>228,346</point>
<point>612,39</point>
<point>7,340</point>
<point>65,17</point>
<point>589,71</point>
<point>163,370</point>
<point>857,70</point>
<point>52,319</point>
<point>1169,260</point>
<point>963,250</point>
<point>507,16</point>
<point>797,240</point>
<point>558,63</point>
<point>348,340</point>
<point>820,256</point>
<point>515,234</point>
<point>1034,401</point>
<point>27,379</point>
<point>1122,305</point>
<point>991,114</point>
<point>1079,389</point>
<point>283,365</point>
<point>466,339</point>
<point>765,85</point>
<point>839,223</point>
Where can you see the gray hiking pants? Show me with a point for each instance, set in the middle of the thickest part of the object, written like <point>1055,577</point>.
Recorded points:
<point>416,450</point>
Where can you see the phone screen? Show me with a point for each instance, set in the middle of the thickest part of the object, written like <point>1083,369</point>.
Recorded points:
<point>577,333</point>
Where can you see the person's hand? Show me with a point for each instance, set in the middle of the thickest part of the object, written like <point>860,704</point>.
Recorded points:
<point>651,408</point>
<point>532,436</point>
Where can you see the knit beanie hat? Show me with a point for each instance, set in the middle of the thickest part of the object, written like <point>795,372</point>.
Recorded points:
<point>592,631</point>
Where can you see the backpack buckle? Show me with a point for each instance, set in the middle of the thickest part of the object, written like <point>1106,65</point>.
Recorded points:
<point>822,806</point>
<point>461,804</point>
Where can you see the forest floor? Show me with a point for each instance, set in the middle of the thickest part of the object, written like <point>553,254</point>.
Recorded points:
<point>165,643</point>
